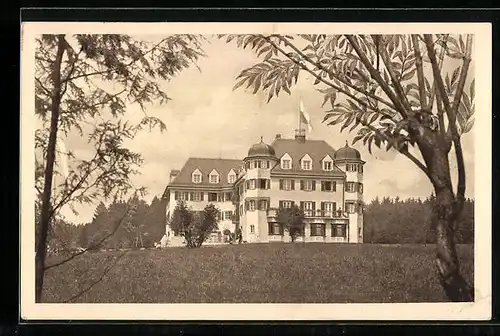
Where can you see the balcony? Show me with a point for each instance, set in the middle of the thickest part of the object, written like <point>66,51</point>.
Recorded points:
<point>273,212</point>
<point>324,214</point>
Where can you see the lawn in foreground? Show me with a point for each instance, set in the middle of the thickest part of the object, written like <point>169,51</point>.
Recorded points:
<point>256,273</point>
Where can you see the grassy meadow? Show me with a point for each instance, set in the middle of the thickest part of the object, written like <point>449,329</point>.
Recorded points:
<point>255,273</point>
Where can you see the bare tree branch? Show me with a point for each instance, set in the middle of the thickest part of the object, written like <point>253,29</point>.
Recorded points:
<point>104,273</point>
<point>336,76</point>
<point>439,80</point>
<point>109,70</point>
<point>434,90</point>
<point>321,79</point>
<point>376,75</point>
<point>49,93</point>
<point>394,78</point>
<point>410,156</point>
<point>93,246</point>
<point>420,72</point>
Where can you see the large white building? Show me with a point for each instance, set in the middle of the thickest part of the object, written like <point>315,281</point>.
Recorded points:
<point>326,183</point>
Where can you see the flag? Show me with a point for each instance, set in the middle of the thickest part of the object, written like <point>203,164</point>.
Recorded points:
<point>304,116</point>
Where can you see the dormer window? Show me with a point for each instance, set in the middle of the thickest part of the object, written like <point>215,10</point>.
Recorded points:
<point>327,163</point>
<point>231,176</point>
<point>213,177</point>
<point>196,176</point>
<point>306,162</point>
<point>286,161</point>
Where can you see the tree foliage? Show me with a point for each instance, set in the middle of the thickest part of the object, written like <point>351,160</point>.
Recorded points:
<point>102,76</point>
<point>410,93</point>
<point>353,98</point>
<point>84,84</point>
<point>194,226</point>
<point>292,221</point>
<point>410,221</point>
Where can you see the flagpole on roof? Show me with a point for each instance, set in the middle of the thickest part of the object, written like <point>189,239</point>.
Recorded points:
<point>298,110</point>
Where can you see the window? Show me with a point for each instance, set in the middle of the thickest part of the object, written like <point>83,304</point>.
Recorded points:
<point>228,215</point>
<point>212,197</point>
<point>360,232</point>
<point>263,184</point>
<point>360,168</point>
<point>262,204</point>
<point>329,206</point>
<point>307,185</point>
<point>318,230</point>
<point>275,229</point>
<point>351,167</point>
<point>196,178</point>
<point>286,164</point>
<point>227,196</point>
<point>197,196</point>
<point>241,210</point>
<point>350,187</point>
<point>360,188</point>
<point>252,228</point>
<point>181,196</point>
<point>231,178</point>
<point>220,197</point>
<point>309,206</point>
<point>328,185</point>
<point>327,165</point>
<point>287,184</point>
<point>263,164</point>
<point>251,205</point>
<point>350,207</point>
<point>286,204</point>
<point>251,184</point>
<point>339,230</point>
<point>306,164</point>
<point>214,178</point>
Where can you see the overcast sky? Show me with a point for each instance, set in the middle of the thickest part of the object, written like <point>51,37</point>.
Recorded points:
<point>205,118</point>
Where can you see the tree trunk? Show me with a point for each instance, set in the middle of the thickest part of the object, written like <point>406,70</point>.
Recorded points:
<point>454,285</point>
<point>41,246</point>
<point>446,212</point>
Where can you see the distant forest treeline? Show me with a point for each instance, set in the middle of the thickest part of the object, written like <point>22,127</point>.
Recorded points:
<point>397,221</point>
<point>144,227</point>
<point>386,221</point>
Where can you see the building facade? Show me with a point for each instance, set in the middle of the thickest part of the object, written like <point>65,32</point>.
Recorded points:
<point>327,184</point>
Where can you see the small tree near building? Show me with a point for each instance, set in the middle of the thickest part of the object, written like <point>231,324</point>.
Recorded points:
<point>291,220</point>
<point>195,227</point>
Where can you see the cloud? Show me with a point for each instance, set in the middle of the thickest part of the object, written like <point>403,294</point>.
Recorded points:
<point>206,118</point>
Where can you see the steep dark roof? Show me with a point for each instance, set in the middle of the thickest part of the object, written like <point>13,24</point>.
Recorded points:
<point>205,166</point>
<point>347,153</point>
<point>261,149</point>
<point>317,150</point>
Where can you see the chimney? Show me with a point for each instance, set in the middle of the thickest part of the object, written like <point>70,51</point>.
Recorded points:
<point>300,135</point>
<point>278,136</point>
<point>173,174</point>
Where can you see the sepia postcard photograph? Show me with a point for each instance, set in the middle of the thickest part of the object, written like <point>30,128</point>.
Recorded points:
<point>255,171</point>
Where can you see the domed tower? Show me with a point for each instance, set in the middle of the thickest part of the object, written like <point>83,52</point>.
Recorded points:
<point>349,160</point>
<point>258,163</point>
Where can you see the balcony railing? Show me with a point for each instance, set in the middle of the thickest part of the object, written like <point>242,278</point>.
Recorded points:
<point>313,213</point>
<point>323,214</point>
